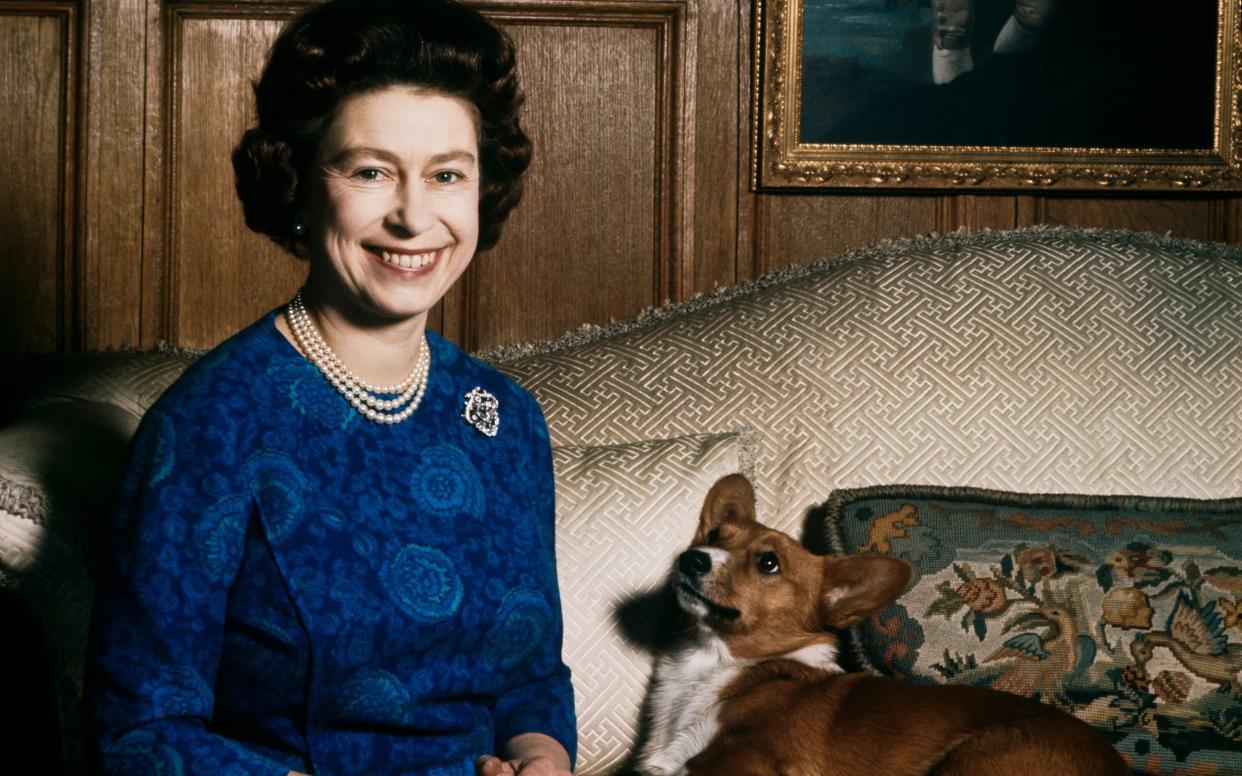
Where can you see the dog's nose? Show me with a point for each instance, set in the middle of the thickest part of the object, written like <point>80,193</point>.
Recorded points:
<point>694,563</point>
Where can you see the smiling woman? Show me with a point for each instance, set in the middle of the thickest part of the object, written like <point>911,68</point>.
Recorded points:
<point>392,218</point>
<point>333,550</point>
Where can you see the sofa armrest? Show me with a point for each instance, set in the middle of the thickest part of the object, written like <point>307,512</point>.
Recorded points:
<point>60,466</point>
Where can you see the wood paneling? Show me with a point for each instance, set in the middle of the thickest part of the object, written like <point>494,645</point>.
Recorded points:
<point>109,277</point>
<point>121,226</point>
<point>1231,229</point>
<point>1194,217</point>
<point>221,275</point>
<point>719,134</point>
<point>598,234</point>
<point>799,229</point>
<point>36,193</point>
<point>975,212</point>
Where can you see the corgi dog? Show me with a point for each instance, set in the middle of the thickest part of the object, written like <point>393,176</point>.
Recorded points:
<point>755,688</point>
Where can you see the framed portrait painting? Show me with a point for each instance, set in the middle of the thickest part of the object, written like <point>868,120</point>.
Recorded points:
<point>1138,95</point>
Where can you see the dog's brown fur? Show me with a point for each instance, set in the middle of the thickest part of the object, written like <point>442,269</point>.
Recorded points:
<point>782,716</point>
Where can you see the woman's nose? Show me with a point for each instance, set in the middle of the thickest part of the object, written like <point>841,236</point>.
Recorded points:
<point>411,212</point>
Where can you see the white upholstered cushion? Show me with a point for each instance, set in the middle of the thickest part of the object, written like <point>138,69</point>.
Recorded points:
<point>1044,360</point>
<point>623,513</point>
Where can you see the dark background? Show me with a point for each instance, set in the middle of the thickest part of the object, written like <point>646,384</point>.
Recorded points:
<point>1105,73</point>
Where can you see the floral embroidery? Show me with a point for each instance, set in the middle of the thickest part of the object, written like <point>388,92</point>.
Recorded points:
<point>446,483</point>
<point>1126,612</point>
<point>424,583</point>
<point>374,695</point>
<point>521,628</point>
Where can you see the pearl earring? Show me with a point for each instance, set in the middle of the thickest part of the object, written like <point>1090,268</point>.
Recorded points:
<point>299,229</point>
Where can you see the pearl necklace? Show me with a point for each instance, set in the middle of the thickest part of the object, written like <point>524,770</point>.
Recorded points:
<point>358,392</point>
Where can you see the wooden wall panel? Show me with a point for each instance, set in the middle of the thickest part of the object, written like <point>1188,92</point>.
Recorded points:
<point>977,211</point>
<point>222,276</point>
<point>1194,217</point>
<point>109,278</point>
<point>1231,229</point>
<point>36,193</point>
<point>800,229</point>
<point>596,236</point>
<point>720,136</point>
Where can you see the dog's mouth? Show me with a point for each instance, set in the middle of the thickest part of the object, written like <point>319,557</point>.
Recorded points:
<point>714,609</point>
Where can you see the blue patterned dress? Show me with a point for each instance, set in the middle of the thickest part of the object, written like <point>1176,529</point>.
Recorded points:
<point>292,586</point>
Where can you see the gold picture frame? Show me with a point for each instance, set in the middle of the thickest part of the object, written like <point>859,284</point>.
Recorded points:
<point>854,139</point>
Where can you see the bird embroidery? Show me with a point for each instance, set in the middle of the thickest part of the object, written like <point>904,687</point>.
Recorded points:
<point>1043,664</point>
<point>1196,637</point>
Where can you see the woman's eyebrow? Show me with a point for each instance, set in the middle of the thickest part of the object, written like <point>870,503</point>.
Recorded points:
<point>352,153</point>
<point>463,156</point>
<point>363,152</point>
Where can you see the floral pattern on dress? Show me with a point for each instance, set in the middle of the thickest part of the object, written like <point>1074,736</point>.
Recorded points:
<point>222,523</point>
<point>142,752</point>
<point>280,488</point>
<point>520,628</point>
<point>424,583</point>
<point>374,694</point>
<point>446,483</point>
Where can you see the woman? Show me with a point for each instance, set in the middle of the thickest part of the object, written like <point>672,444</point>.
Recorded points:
<point>334,548</point>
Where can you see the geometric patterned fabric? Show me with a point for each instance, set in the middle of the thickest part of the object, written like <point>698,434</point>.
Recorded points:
<point>1046,359</point>
<point>623,513</point>
<point>1126,612</point>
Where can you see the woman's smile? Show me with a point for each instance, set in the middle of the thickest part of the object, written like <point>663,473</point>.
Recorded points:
<point>408,261</point>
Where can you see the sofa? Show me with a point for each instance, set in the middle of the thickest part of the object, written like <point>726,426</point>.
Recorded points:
<point>1047,423</point>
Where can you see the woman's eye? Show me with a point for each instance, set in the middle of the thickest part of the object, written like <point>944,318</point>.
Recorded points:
<point>369,174</point>
<point>446,177</point>
<point>768,563</point>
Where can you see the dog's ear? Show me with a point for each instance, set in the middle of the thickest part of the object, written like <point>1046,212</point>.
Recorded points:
<point>732,498</point>
<point>858,586</point>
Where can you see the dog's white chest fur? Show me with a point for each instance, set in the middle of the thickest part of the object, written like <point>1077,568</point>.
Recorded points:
<point>685,699</point>
<point>684,704</point>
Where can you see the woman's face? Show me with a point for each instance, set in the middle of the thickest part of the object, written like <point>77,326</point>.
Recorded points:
<point>393,217</point>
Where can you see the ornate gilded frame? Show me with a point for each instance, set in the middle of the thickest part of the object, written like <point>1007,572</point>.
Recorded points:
<point>781,161</point>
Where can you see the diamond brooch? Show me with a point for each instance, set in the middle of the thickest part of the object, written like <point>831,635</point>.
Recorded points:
<point>482,411</point>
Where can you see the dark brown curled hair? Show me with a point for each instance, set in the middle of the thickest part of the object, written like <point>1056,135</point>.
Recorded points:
<point>347,47</point>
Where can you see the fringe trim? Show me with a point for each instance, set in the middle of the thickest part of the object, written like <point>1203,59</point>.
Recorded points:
<point>26,502</point>
<point>748,453</point>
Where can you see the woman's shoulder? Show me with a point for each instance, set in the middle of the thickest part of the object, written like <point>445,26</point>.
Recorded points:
<point>469,373</point>
<point>232,373</point>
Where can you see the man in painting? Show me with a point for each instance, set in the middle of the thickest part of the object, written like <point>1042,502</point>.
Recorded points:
<point>953,24</point>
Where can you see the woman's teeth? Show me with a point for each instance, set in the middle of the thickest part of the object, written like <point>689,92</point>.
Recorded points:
<point>408,260</point>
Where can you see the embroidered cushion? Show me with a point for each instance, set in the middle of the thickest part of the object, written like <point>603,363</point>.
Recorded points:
<point>623,513</point>
<point>1125,611</point>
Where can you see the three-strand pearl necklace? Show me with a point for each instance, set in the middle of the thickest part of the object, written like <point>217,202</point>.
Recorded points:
<point>362,395</point>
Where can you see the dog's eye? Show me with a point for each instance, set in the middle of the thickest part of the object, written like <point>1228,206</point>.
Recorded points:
<point>768,563</point>
<point>713,536</point>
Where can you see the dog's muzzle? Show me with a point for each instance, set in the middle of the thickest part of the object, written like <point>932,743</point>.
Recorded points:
<point>692,567</point>
<point>694,563</point>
